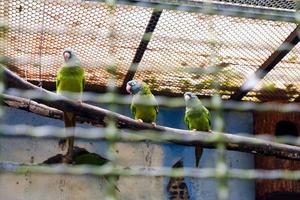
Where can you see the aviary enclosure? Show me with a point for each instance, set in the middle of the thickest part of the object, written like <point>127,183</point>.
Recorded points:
<point>240,57</point>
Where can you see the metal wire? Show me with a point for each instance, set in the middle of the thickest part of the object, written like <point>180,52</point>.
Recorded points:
<point>209,47</point>
<point>174,49</point>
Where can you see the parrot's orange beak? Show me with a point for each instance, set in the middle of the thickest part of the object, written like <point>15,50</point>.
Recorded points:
<point>66,56</point>
<point>128,89</point>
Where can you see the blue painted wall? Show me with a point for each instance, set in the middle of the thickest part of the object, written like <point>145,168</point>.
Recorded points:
<point>235,122</point>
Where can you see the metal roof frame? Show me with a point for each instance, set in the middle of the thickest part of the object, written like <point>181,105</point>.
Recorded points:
<point>290,42</point>
<point>214,8</point>
<point>219,8</point>
<point>142,47</point>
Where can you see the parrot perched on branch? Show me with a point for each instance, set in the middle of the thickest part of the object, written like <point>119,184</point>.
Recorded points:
<point>142,93</point>
<point>196,118</point>
<point>70,80</point>
<point>144,108</point>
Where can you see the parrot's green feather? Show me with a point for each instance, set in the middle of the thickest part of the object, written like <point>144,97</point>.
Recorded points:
<point>91,159</point>
<point>70,79</point>
<point>94,159</point>
<point>147,113</point>
<point>197,118</point>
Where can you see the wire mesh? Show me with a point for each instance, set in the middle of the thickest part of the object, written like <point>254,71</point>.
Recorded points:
<point>211,55</point>
<point>181,41</point>
<point>40,29</point>
<point>283,4</point>
<point>282,82</point>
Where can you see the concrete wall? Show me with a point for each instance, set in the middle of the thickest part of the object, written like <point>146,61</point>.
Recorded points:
<point>36,186</point>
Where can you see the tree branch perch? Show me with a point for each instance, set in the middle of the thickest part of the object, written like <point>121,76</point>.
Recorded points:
<point>98,115</point>
<point>40,109</point>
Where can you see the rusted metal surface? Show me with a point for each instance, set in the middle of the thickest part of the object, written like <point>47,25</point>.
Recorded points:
<point>181,42</point>
<point>142,47</point>
<point>290,42</point>
<point>265,123</point>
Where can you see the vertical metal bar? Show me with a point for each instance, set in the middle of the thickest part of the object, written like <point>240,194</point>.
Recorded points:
<point>142,47</point>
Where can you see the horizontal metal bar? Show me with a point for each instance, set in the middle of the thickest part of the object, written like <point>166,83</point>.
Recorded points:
<point>216,8</point>
<point>170,135</point>
<point>169,102</point>
<point>207,173</point>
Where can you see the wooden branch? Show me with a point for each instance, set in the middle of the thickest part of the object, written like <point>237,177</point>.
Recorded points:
<point>40,109</point>
<point>93,113</point>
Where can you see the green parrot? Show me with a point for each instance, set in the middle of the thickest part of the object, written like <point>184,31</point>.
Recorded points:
<point>142,92</point>
<point>70,79</point>
<point>142,112</point>
<point>196,118</point>
<point>82,157</point>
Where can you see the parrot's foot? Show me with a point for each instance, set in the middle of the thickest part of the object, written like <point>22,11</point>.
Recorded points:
<point>67,160</point>
<point>139,120</point>
<point>153,124</point>
<point>79,102</point>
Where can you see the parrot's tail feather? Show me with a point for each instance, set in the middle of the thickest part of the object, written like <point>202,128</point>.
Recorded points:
<point>70,151</point>
<point>198,153</point>
<point>70,120</point>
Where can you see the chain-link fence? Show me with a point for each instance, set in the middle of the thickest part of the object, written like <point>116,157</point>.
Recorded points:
<point>223,51</point>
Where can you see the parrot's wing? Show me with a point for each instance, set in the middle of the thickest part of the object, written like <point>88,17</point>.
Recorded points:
<point>156,109</point>
<point>209,120</point>
<point>207,113</point>
<point>83,83</point>
<point>57,80</point>
<point>155,105</point>
<point>133,110</point>
<point>186,120</point>
<point>57,83</point>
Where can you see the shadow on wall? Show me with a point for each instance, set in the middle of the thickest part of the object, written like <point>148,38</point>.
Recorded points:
<point>177,188</point>
<point>82,157</point>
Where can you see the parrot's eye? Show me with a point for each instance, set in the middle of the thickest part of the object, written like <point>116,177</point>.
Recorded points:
<point>133,83</point>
